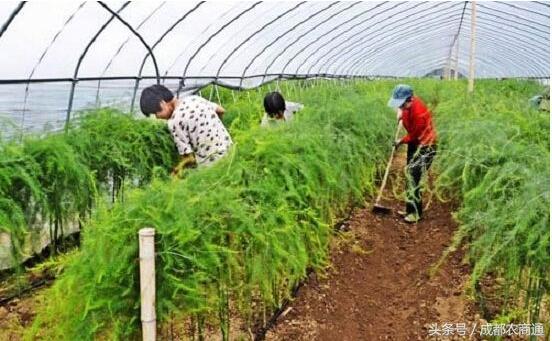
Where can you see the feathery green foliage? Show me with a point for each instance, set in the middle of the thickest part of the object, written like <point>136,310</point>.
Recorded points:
<point>494,153</point>
<point>116,147</point>
<point>53,179</point>
<point>244,230</point>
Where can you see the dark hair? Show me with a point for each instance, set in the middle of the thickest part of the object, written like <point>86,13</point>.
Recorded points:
<point>150,100</point>
<point>274,103</point>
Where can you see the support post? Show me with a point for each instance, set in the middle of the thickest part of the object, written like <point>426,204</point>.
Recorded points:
<point>70,105</point>
<point>472,48</point>
<point>146,238</point>
<point>134,92</point>
<point>456,58</point>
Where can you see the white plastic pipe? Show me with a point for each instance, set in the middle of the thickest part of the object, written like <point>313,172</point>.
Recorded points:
<point>146,237</point>
<point>472,48</point>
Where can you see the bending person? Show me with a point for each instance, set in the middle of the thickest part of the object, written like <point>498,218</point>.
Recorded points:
<point>277,109</point>
<point>194,122</point>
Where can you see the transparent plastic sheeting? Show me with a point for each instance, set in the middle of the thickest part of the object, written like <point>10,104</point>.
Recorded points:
<point>83,53</point>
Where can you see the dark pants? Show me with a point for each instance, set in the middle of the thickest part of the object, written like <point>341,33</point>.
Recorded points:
<point>418,159</point>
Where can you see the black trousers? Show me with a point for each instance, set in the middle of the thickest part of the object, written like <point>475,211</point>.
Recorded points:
<point>418,161</point>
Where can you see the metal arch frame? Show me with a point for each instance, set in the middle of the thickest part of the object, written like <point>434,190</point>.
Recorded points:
<point>123,44</point>
<point>484,61</point>
<point>114,78</point>
<point>524,46</point>
<point>507,34</point>
<point>181,85</point>
<point>79,62</point>
<point>359,45</point>
<point>67,21</point>
<point>538,63</point>
<point>184,50</point>
<point>261,13</point>
<point>157,42</point>
<point>528,40</point>
<point>527,9</point>
<point>437,62</point>
<point>455,39</point>
<point>429,37</point>
<point>281,36</point>
<point>520,39</point>
<point>480,5</point>
<point>281,15</point>
<point>12,16</point>
<point>333,56</point>
<point>513,54</point>
<point>481,60</point>
<point>488,31</point>
<point>363,44</point>
<point>440,62</point>
<point>518,30</point>
<point>283,76</point>
<point>332,30</point>
<point>361,63</point>
<point>397,4</point>
<point>146,45</point>
<point>300,36</point>
<point>401,23</point>
<point>479,11</point>
<point>429,65</point>
<point>388,39</point>
<point>208,62</point>
<point>434,63</point>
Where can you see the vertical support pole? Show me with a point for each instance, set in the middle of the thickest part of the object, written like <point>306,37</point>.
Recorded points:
<point>98,93</point>
<point>181,86</point>
<point>134,91</point>
<point>70,105</point>
<point>217,93</point>
<point>211,92</point>
<point>146,238</point>
<point>456,58</point>
<point>472,49</point>
<point>446,74</point>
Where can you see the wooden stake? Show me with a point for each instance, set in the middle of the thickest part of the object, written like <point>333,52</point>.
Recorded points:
<point>472,49</point>
<point>146,237</point>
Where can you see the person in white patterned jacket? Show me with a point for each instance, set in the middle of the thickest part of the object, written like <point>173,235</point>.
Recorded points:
<point>194,122</point>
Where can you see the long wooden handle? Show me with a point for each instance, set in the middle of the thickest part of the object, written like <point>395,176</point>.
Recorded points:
<point>384,181</point>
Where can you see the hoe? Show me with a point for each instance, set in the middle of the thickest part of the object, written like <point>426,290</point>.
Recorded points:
<point>379,208</point>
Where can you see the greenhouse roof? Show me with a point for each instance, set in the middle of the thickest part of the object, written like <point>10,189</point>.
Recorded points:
<point>237,39</point>
<point>188,44</point>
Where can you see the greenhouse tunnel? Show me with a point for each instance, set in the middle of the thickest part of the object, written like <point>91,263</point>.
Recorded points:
<point>282,227</point>
<point>94,53</point>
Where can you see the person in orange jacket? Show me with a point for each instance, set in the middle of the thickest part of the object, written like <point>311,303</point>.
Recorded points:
<point>421,141</point>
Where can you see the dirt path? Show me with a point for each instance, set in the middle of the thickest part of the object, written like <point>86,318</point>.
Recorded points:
<point>379,286</point>
<point>18,314</point>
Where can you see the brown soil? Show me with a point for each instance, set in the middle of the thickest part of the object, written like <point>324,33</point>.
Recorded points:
<point>18,314</point>
<point>381,285</point>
